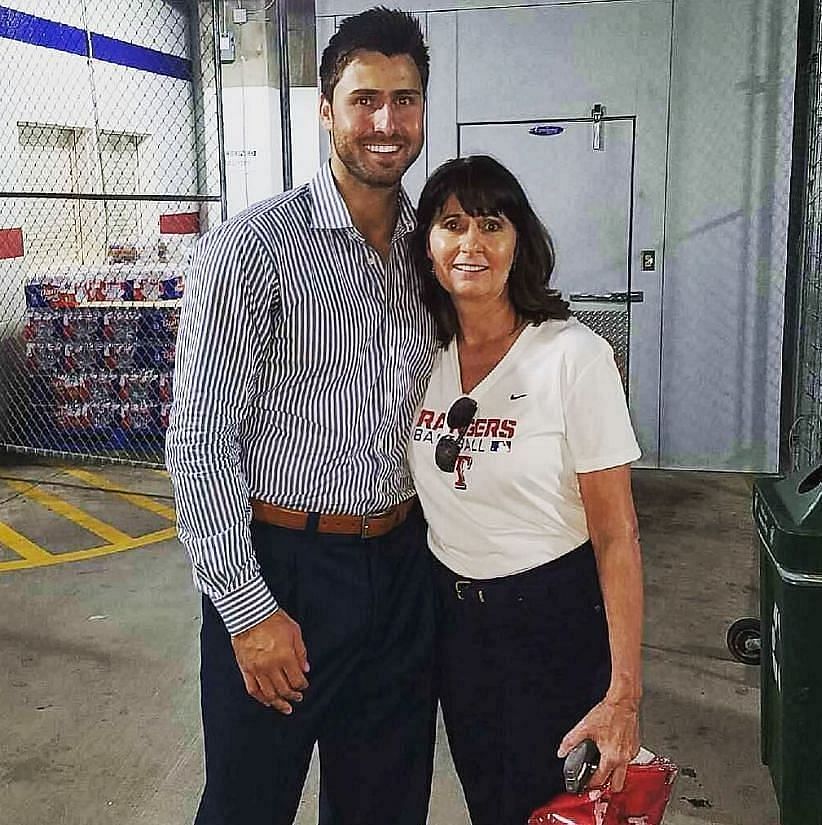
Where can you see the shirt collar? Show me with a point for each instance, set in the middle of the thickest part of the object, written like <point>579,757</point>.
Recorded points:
<point>406,217</point>
<point>329,211</point>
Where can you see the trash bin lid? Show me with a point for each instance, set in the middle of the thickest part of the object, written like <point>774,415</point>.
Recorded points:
<point>788,516</point>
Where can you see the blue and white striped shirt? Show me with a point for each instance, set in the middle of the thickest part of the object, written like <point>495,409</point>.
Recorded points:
<point>301,358</point>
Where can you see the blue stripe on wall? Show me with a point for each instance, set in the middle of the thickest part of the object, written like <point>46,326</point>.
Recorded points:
<point>139,57</point>
<point>17,25</point>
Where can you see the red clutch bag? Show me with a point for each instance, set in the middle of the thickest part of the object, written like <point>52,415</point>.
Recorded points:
<point>642,801</point>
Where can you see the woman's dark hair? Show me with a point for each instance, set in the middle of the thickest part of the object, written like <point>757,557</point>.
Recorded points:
<point>483,186</point>
<point>387,31</point>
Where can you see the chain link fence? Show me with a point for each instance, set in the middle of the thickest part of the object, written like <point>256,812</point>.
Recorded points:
<point>805,436</point>
<point>110,127</point>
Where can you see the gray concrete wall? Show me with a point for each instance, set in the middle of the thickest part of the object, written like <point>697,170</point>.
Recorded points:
<point>731,118</point>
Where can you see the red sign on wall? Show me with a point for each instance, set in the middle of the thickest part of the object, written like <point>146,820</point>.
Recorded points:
<point>180,223</point>
<point>11,243</point>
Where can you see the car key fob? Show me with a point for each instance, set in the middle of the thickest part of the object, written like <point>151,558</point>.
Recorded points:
<point>580,765</point>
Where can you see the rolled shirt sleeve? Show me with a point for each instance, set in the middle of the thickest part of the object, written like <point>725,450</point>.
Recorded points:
<point>225,323</point>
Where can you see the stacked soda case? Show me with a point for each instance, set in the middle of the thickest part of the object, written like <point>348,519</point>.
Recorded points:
<point>99,349</point>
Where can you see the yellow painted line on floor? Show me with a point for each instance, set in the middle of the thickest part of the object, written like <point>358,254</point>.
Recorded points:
<point>32,553</point>
<point>49,559</point>
<point>137,499</point>
<point>69,511</point>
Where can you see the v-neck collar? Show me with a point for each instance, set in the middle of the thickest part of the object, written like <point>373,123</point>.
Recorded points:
<point>525,335</point>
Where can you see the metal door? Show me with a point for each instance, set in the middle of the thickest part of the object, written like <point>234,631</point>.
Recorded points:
<point>578,175</point>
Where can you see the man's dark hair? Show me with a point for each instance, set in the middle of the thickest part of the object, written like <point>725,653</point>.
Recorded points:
<point>388,31</point>
<point>483,186</point>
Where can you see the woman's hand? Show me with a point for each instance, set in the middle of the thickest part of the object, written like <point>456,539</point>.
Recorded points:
<point>614,725</point>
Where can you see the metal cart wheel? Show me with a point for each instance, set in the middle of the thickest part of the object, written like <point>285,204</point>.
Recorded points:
<point>744,639</point>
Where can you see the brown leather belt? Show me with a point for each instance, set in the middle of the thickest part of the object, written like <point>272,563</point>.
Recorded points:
<point>367,527</point>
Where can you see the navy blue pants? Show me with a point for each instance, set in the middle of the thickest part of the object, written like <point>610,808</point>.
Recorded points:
<point>524,657</point>
<point>366,610</point>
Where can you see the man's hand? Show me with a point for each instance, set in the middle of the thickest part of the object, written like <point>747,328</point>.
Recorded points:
<point>273,660</point>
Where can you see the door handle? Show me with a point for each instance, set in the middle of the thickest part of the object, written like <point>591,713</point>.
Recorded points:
<point>597,113</point>
<point>607,297</point>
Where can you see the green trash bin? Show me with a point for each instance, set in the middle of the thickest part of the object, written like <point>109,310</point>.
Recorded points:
<point>788,517</point>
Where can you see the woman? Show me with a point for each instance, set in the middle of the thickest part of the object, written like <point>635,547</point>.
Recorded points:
<point>521,455</point>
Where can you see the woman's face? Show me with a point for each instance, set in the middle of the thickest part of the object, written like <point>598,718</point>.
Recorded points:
<point>472,256</point>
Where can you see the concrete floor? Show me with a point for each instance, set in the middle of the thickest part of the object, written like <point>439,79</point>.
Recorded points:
<point>98,658</point>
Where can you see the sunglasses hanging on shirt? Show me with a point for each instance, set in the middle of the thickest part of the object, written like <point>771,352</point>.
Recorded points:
<point>459,418</point>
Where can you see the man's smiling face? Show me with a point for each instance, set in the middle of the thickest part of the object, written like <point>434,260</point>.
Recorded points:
<point>375,119</point>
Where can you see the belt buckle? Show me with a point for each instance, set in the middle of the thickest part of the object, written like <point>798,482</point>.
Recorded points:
<point>462,584</point>
<point>459,585</point>
<point>366,526</point>
<point>366,520</point>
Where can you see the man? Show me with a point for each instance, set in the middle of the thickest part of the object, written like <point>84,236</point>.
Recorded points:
<point>303,352</point>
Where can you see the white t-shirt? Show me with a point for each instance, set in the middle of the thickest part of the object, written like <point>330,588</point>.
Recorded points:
<point>553,407</point>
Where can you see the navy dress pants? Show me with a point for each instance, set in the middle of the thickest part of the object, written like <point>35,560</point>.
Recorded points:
<point>366,610</point>
<point>524,658</point>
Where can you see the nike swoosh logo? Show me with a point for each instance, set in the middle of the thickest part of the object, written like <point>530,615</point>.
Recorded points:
<point>517,397</point>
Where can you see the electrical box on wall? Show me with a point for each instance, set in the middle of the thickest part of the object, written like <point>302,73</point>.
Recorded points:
<point>227,52</point>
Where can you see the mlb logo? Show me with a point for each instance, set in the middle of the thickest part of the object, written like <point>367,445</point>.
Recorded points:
<point>500,446</point>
